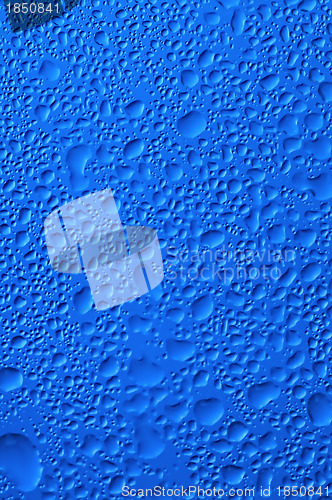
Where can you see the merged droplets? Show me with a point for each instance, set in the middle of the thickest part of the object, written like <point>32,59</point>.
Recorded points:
<point>192,124</point>
<point>20,461</point>
<point>320,409</point>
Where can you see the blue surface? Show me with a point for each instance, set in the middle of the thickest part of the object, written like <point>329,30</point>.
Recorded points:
<point>211,122</point>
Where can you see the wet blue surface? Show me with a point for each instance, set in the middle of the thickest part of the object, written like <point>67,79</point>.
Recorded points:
<point>211,123</point>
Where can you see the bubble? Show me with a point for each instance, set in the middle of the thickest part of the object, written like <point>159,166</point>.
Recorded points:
<point>50,70</point>
<point>212,238</point>
<point>149,442</point>
<point>209,411</point>
<point>180,350</point>
<point>306,237</point>
<point>133,149</point>
<point>83,300</point>
<point>237,431</point>
<point>319,148</point>
<point>77,159</point>
<point>325,91</point>
<point>91,445</point>
<point>238,21</point>
<point>10,379</point>
<point>145,373</point>
<point>233,474</point>
<point>320,409</point>
<point>311,271</point>
<point>206,58</point>
<point>116,485</point>
<point>109,367</point>
<point>269,82</point>
<point>202,308</point>
<point>189,78</point>
<point>135,109</point>
<point>20,462</point>
<point>192,124</point>
<point>260,395</point>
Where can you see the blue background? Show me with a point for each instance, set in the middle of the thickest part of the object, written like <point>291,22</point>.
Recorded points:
<point>203,381</point>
